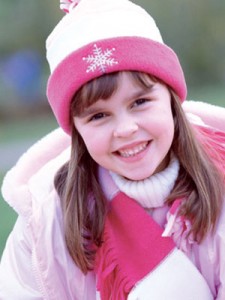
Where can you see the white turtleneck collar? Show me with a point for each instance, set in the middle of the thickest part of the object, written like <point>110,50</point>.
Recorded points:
<point>150,192</point>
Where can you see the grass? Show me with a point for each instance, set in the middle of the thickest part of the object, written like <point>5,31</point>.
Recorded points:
<point>8,217</point>
<point>13,131</point>
<point>210,94</point>
<point>26,128</point>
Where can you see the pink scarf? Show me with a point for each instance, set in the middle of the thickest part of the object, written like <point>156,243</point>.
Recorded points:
<point>132,246</point>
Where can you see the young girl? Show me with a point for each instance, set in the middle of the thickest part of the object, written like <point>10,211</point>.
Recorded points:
<point>131,207</point>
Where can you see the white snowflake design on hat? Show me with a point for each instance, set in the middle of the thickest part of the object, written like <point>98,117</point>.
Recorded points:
<point>100,59</point>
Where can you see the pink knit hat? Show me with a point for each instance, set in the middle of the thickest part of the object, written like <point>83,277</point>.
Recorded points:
<point>97,37</point>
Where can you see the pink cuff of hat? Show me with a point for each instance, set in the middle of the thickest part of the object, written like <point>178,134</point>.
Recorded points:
<point>106,56</point>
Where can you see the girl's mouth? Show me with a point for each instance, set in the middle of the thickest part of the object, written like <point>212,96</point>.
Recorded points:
<point>134,150</point>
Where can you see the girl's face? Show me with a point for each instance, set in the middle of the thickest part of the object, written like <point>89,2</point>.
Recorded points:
<point>131,132</point>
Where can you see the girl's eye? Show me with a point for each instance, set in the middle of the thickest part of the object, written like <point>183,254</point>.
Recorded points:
<point>97,116</point>
<point>139,102</point>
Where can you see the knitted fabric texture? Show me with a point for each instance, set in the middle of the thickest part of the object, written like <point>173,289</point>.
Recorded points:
<point>150,192</point>
<point>132,247</point>
<point>98,37</point>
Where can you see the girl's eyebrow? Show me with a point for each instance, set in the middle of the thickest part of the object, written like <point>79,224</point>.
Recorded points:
<point>91,110</point>
<point>142,92</point>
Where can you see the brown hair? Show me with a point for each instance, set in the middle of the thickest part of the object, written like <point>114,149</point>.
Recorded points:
<point>83,203</point>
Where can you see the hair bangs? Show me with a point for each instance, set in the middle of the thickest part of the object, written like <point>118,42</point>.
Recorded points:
<point>103,88</point>
<point>99,88</point>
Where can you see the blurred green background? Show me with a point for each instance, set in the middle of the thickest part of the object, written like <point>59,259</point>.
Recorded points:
<point>194,29</point>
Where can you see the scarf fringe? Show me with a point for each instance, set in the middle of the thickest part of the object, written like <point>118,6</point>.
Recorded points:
<point>132,247</point>
<point>113,283</point>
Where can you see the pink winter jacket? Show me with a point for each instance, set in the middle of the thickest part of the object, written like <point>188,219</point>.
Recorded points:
<point>36,264</point>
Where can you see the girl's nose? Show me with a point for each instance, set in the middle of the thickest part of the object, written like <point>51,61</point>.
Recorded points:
<point>125,129</point>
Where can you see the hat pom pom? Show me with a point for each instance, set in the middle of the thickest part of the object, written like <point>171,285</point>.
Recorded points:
<point>68,5</point>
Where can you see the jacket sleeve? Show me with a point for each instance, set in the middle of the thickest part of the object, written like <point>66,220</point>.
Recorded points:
<point>211,115</point>
<point>219,258</point>
<point>210,258</point>
<point>17,280</point>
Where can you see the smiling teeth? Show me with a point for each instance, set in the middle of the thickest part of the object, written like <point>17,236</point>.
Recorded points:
<point>134,151</point>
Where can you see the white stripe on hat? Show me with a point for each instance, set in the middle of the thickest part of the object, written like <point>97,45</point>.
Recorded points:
<point>91,21</point>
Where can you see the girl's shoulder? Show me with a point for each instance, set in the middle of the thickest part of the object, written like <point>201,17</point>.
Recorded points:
<point>32,176</point>
<point>178,227</point>
<point>213,141</point>
<point>208,123</point>
<point>210,256</point>
<point>211,115</point>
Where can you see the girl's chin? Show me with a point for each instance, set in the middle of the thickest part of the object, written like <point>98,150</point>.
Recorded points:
<point>138,177</point>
